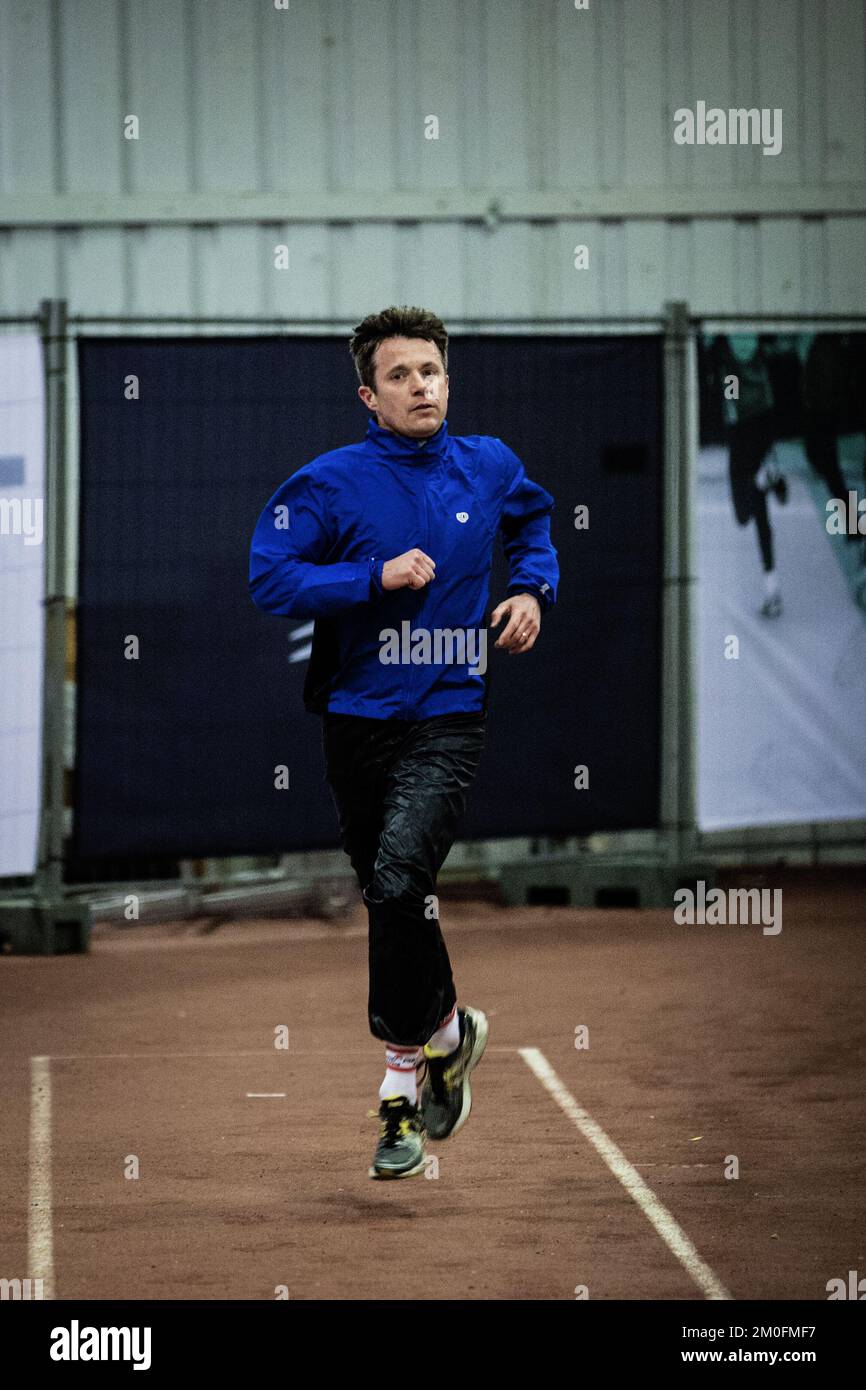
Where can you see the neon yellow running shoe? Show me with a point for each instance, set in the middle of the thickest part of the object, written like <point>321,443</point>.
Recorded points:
<point>400,1152</point>
<point>446,1098</point>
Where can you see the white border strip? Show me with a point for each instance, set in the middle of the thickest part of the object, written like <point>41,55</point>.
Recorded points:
<point>671,1233</point>
<point>40,1242</point>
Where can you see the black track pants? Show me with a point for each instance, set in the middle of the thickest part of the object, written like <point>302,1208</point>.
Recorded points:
<point>750,442</point>
<point>400,788</point>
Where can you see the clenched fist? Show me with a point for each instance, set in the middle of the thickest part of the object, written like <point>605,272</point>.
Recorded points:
<point>414,569</point>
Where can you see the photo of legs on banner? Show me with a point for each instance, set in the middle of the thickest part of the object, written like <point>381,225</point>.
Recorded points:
<point>787,716</point>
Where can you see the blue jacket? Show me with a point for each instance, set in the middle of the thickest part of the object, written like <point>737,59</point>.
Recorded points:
<point>320,544</point>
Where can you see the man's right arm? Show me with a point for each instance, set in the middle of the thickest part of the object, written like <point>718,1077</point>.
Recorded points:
<point>287,574</point>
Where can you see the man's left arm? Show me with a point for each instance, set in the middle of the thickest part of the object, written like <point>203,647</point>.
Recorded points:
<point>532,560</point>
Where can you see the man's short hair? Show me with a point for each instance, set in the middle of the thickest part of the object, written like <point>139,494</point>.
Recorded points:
<point>404,321</point>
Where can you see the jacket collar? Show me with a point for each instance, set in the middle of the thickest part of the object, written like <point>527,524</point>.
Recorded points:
<point>404,450</point>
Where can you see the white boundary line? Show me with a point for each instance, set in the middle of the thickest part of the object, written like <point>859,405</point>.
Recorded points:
<point>265,1052</point>
<point>40,1242</point>
<point>658,1215</point>
<point>40,1239</point>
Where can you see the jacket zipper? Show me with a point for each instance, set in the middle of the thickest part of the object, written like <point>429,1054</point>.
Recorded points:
<point>426,548</point>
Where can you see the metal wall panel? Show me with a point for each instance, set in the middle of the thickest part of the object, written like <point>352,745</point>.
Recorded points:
<point>521,269</point>
<point>329,98</point>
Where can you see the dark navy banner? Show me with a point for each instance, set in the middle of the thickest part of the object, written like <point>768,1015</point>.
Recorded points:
<point>189,696</point>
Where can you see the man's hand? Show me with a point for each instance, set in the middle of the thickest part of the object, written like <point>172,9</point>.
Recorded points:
<point>524,623</point>
<point>413,569</point>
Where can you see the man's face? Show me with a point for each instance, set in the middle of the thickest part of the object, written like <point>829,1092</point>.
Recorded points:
<point>411,394</point>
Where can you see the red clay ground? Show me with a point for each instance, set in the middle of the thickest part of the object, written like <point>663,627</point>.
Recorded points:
<point>705,1041</point>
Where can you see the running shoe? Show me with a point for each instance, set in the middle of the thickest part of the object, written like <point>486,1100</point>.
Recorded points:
<point>446,1098</point>
<point>400,1152</point>
<point>772,607</point>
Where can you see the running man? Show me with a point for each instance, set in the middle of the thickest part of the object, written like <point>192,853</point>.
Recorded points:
<point>388,545</point>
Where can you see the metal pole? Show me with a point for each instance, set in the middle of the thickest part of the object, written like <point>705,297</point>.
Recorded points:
<point>688,765</point>
<point>678,760</point>
<point>49,869</point>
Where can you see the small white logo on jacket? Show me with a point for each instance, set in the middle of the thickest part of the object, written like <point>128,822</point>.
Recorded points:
<point>462,516</point>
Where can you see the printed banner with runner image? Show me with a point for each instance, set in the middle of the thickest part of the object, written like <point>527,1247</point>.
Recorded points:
<point>781,564</point>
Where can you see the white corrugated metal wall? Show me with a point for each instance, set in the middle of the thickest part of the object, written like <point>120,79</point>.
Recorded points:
<point>306,126</point>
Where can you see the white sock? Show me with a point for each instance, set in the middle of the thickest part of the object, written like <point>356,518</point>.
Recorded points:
<point>400,1077</point>
<point>771,583</point>
<point>447,1035</point>
<point>768,474</point>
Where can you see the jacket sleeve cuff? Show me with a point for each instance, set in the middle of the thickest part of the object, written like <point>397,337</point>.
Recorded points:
<point>376,567</point>
<point>542,597</point>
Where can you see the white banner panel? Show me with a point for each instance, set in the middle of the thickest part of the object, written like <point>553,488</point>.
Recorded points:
<point>780,608</point>
<point>22,625</point>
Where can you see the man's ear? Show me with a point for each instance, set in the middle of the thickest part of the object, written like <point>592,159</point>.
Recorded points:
<point>368,396</point>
